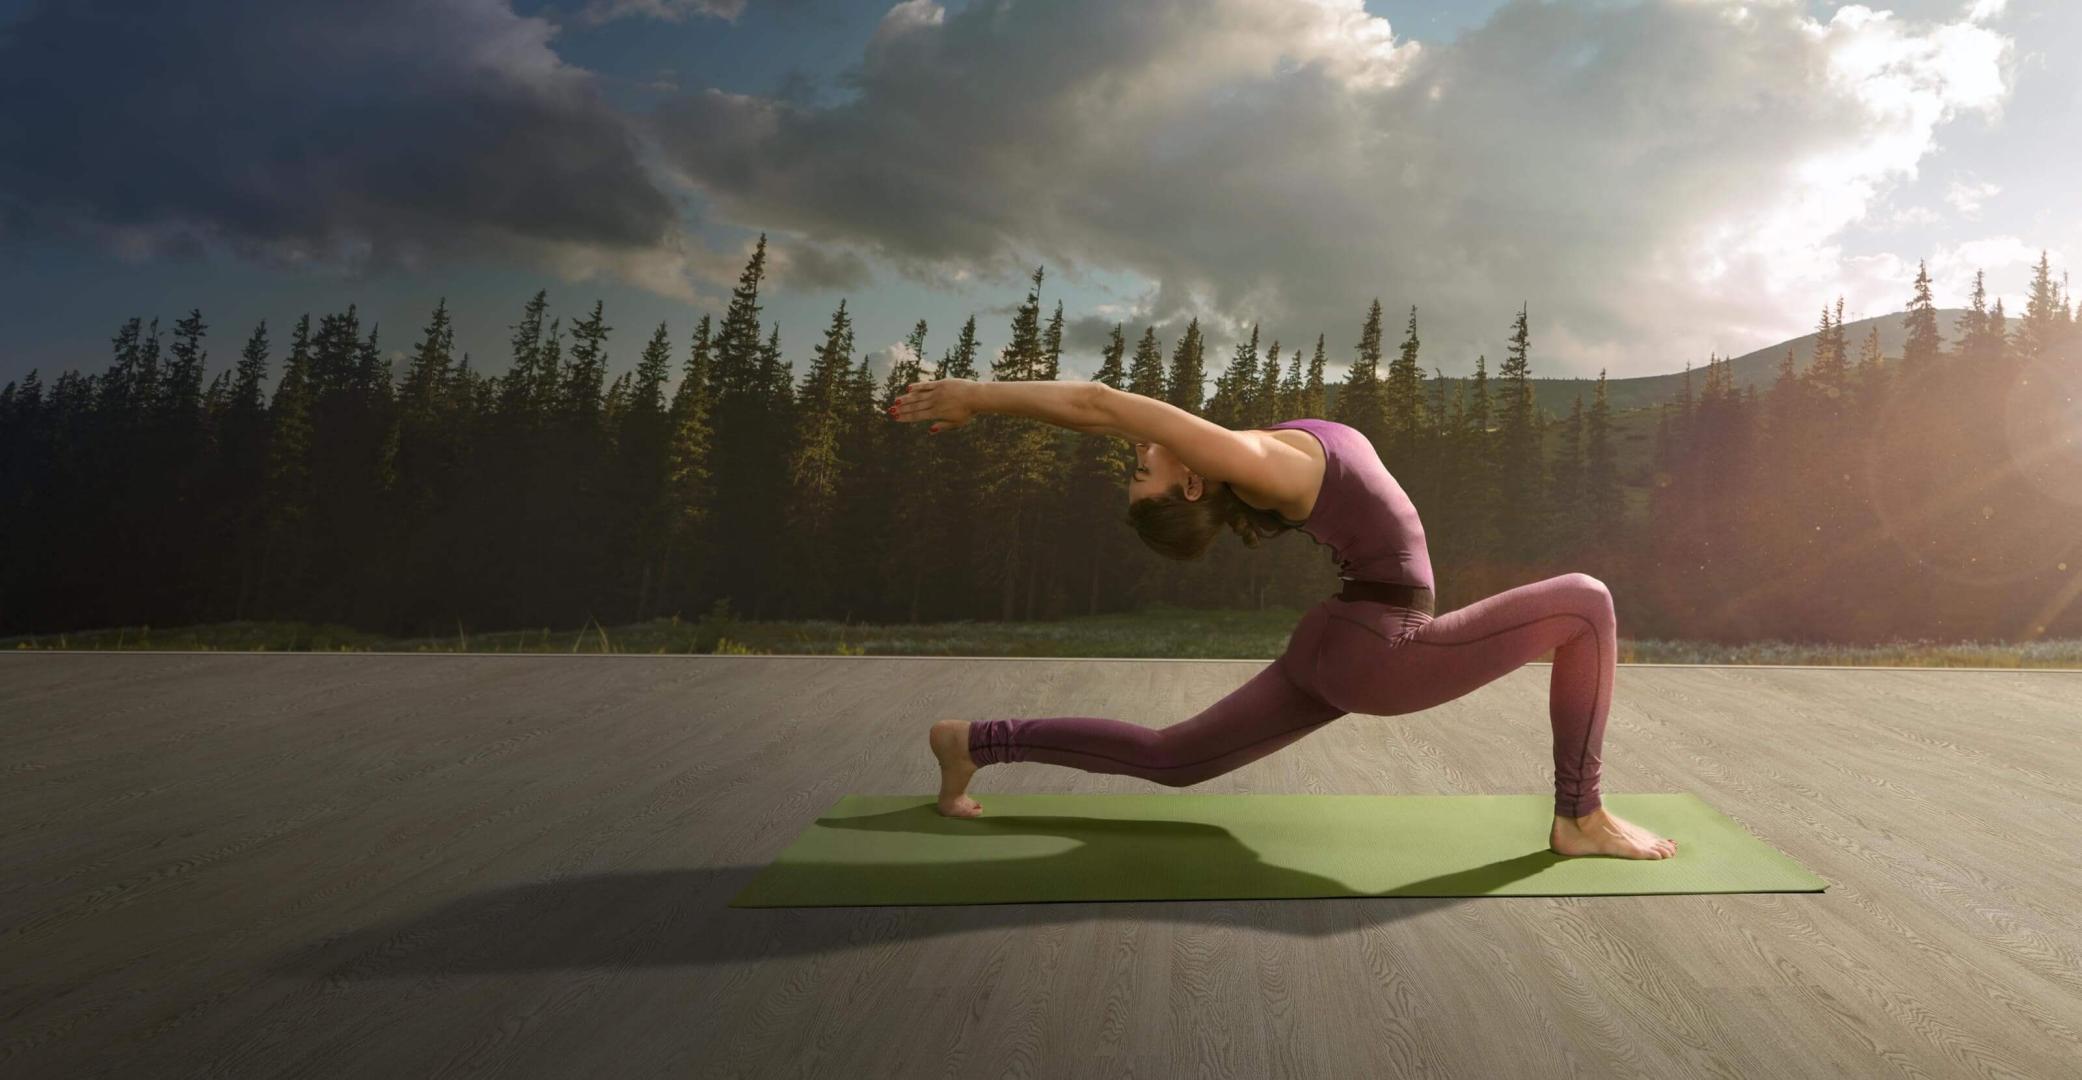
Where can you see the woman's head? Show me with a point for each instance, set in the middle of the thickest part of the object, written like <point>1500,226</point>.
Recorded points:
<point>1179,513</point>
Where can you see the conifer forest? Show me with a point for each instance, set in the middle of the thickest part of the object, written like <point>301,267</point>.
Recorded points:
<point>1934,495</point>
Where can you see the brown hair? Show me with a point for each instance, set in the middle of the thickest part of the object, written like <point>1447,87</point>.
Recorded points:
<point>1183,529</point>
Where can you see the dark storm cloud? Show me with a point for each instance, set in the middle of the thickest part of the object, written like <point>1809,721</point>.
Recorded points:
<point>1092,333</point>
<point>600,11</point>
<point>804,265</point>
<point>366,133</point>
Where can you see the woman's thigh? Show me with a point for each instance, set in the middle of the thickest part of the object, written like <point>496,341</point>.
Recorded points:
<point>1362,666</point>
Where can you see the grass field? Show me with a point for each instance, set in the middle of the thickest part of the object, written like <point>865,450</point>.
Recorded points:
<point>1156,633</point>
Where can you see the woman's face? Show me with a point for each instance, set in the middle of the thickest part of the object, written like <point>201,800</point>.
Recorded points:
<point>1156,470</point>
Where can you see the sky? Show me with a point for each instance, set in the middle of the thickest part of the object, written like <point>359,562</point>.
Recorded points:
<point>1653,180</point>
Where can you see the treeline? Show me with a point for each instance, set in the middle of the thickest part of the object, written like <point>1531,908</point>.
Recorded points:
<point>1850,501</point>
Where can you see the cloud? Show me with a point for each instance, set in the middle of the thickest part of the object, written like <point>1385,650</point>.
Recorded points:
<point>1656,181</point>
<point>600,11</point>
<point>344,138</point>
<point>1879,284</point>
<point>2007,261</point>
<point>1966,196</point>
<point>882,360</point>
<point>1091,334</point>
<point>1910,217</point>
<point>801,264</point>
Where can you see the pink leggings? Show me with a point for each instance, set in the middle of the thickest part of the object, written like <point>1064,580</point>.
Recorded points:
<point>1367,657</point>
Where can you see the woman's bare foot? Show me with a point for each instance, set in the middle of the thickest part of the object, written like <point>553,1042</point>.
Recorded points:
<point>950,742</point>
<point>1599,833</point>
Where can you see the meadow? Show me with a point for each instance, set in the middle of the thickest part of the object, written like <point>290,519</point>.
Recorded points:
<point>1156,633</point>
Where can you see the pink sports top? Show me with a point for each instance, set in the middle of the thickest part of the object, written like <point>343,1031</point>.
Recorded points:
<point>1361,513</point>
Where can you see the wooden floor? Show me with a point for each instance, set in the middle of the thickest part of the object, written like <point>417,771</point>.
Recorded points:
<point>417,866</point>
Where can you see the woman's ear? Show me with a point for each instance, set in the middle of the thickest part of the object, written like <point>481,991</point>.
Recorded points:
<point>1194,486</point>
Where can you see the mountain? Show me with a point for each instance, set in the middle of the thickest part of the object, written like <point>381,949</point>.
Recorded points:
<point>1760,368</point>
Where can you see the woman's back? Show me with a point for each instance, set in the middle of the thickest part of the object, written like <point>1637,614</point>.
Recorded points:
<point>1361,513</point>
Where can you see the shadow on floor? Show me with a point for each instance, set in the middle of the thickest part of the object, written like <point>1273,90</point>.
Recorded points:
<point>682,917</point>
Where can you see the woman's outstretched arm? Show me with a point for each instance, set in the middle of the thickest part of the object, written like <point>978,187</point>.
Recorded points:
<point>951,403</point>
<point>1064,404</point>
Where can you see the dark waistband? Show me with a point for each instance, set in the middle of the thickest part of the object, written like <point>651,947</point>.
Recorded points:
<point>1385,592</point>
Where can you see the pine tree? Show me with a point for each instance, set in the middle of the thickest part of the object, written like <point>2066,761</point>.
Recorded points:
<point>2073,318</point>
<point>1234,385</point>
<point>1265,407</point>
<point>750,447</point>
<point>1022,359</point>
<point>814,464</point>
<point>182,395</point>
<point>1052,341</point>
<point>642,441</point>
<point>517,389</point>
<point>1110,371</point>
<point>245,427</point>
<point>1997,340</point>
<point>1827,372</point>
<point>1601,495</point>
<point>1870,378</point>
<point>147,375</point>
<point>775,374</point>
<point>1482,472</point>
<point>1360,400</point>
<point>647,395</point>
<point>549,373</point>
<point>687,496</point>
<point>1146,371</point>
<point>588,366</point>
<point>371,378</point>
<point>954,478</point>
<point>842,512</point>
<point>614,406</point>
<point>912,366</point>
<point>907,551</point>
<point>423,419</point>
<point>1565,485</point>
<point>697,375</point>
<point>2039,332</point>
<point>1976,343</point>
<point>960,362</point>
<point>426,374</point>
<point>1924,344</point>
<point>1288,406</point>
<point>1313,401</point>
<point>116,391</point>
<point>737,339</point>
<point>1519,508</point>
<point>288,471</point>
<point>1020,465</point>
<point>1405,397</point>
<point>1185,384</point>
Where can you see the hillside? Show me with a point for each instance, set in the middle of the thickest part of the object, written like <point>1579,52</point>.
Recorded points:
<point>1634,400</point>
<point>1758,368</point>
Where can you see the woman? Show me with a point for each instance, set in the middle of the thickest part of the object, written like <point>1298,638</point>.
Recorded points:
<point>1373,648</point>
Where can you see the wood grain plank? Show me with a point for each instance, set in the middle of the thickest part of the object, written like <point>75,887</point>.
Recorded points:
<point>348,865</point>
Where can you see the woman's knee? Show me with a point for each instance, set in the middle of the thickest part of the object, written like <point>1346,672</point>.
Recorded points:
<point>1599,595</point>
<point>1159,757</point>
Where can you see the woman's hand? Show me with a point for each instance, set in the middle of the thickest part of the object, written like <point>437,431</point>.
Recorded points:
<point>948,402</point>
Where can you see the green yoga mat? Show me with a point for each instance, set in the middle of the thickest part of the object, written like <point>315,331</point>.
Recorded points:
<point>897,849</point>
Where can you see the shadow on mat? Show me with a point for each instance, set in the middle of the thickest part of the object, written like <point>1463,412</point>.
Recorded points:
<point>680,917</point>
